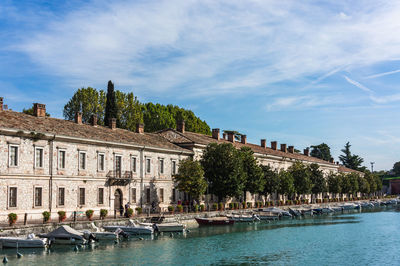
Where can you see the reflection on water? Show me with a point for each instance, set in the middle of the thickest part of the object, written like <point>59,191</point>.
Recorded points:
<point>327,239</point>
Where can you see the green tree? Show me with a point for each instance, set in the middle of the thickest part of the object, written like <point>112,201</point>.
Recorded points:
<point>354,186</point>
<point>129,110</point>
<point>223,170</point>
<point>378,182</point>
<point>286,183</point>
<point>271,180</point>
<point>190,178</point>
<point>369,177</point>
<point>363,185</point>
<point>253,173</point>
<point>345,184</point>
<point>349,160</point>
<point>322,151</point>
<point>318,180</point>
<point>111,110</point>
<point>301,177</point>
<point>29,111</point>
<point>334,184</point>
<point>396,168</point>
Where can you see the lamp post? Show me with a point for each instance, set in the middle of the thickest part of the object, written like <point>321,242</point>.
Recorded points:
<point>372,167</point>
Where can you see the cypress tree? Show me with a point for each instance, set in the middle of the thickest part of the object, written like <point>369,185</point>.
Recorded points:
<point>111,104</point>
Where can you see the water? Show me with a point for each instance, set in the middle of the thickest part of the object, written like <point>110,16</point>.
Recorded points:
<point>368,238</point>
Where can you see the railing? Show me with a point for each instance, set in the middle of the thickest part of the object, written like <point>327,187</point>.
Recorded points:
<point>119,178</point>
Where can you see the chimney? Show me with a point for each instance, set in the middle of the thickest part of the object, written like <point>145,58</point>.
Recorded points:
<point>93,120</point>
<point>224,135</point>
<point>231,137</point>
<point>112,122</point>
<point>243,139</point>
<point>264,143</point>
<point>331,160</point>
<point>215,133</point>
<point>337,163</point>
<point>180,126</point>
<point>291,149</point>
<point>140,128</point>
<point>306,152</point>
<point>1,104</point>
<point>283,147</point>
<point>39,110</point>
<point>78,118</point>
<point>273,145</point>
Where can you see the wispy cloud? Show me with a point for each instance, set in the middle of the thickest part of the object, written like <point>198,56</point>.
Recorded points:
<point>358,84</point>
<point>383,74</point>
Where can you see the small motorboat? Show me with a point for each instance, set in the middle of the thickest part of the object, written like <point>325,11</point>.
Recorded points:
<point>282,213</point>
<point>215,221</point>
<point>65,235</point>
<point>294,212</point>
<point>166,227</point>
<point>132,228</point>
<point>246,218</point>
<point>268,216</point>
<point>103,236</point>
<point>19,242</point>
<point>348,206</point>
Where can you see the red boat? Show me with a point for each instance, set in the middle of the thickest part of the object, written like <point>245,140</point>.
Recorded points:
<point>214,221</point>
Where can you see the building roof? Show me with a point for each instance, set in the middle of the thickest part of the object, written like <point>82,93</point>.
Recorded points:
<point>344,169</point>
<point>196,138</point>
<point>55,126</point>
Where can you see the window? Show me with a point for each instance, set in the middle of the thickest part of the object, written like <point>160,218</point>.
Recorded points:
<point>82,160</point>
<point>38,196</point>
<point>100,159</point>
<point>133,195</point>
<point>161,195</point>
<point>81,196</point>
<point>101,196</point>
<point>13,160</point>
<point>174,167</point>
<point>134,164</point>
<point>148,165</point>
<point>161,166</point>
<point>61,196</point>
<point>118,165</point>
<point>148,195</point>
<point>173,195</point>
<point>12,201</point>
<point>39,157</point>
<point>61,159</point>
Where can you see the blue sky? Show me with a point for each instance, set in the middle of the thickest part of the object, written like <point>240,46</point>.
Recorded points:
<point>299,72</point>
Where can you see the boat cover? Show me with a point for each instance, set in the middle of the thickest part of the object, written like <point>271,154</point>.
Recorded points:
<point>64,231</point>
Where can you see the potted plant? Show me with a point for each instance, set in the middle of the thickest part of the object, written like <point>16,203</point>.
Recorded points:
<point>249,205</point>
<point>196,208</point>
<point>103,213</point>
<point>46,216</point>
<point>236,205</point>
<point>61,216</point>
<point>244,205</point>
<point>202,207</point>
<point>180,208</point>
<point>89,214</point>
<point>171,209</point>
<point>12,218</point>
<point>215,207</point>
<point>221,206</point>
<point>231,206</point>
<point>129,212</point>
<point>288,202</point>
<point>138,210</point>
<point>271,203</point>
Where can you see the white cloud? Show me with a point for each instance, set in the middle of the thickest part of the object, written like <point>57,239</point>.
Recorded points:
<point>358,84</point>
<point>383,74</point>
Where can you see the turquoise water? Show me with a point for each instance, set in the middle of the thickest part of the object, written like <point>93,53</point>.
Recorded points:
<point>368,238</point>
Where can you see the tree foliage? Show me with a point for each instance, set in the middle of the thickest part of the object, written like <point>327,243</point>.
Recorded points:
<point>190,178</point>
<point>271,180</point>
<point>286,183</point>
<point>334,183</point>
<point>322,151</point>
<point>253,173</point>
<point>301,178</point>
<point>350,160</point>
<point>111,105</point>
<point>396,168</point>
<point>318,181</point>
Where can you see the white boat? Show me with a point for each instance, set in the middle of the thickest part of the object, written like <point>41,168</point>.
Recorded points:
<point>277,211</point>
<point>101,235</point>
<point>19,242</point>
<point>336,208</point>
<point>239,217</point>
<point>268,216</point>
<point>65,235</point>
<point>166,227</point>
<point>348,206</point>
<point>132,228</point>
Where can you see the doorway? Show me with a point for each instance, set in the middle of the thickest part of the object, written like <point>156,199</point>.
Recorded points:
<point>118,201</point>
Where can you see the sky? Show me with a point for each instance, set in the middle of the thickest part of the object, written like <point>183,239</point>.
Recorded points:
<point>296,72</point>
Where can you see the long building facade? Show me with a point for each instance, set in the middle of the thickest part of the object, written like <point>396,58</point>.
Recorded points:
<point>49,164</point>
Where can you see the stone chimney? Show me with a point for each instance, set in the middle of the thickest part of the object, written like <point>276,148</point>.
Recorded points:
<point>93,120</point>
<point>78,118</point>
<point>337,163</point>
<point>283,148</point>
<point>224,135</point>
<point>39,110</point>
<point>1,104</point>
<point>264,143</point>
<point>215,133</point>
<point>243,139</point>
<point>291,149</point>
<point>231,137</point>
<point>306,152</point>
<point>180,126</point>
<point>112,122</point>
<point>274,144</point>
<point>140,128</point>
<point>331,160</point>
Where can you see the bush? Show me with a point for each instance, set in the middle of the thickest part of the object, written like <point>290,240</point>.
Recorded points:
<point>61,216</point>
<point>260,204</point>
<point>196,207</point>
<point>171,209</point>
<point>138,210</point>
<point>221,206</point>
<point>46,216</point>
<point>12,218</point>
<point>288,202</point>
<point>103,213</point>
<point>179,208</point>
<point>202,207</point>
<point>231,206</point>
<point>89,214</point>
<point>215,207</point>
<point>244,205</point>
<point>249,205</point>
<point>129,211</point>
<point>271,203</point>
<point>280,202</point>
<point>236,205</point>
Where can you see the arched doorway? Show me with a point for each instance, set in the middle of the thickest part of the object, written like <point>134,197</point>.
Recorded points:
<point>118,201</point>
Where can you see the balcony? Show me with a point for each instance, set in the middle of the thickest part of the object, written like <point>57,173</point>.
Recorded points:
<point>119,178</point>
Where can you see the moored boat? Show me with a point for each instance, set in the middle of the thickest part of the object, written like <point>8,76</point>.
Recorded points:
<point>19,242</point>
<point>215,221</point>
<point>132,228</point>
<point>239,217</point>
<point>65,235</point>
<point>166,227</point>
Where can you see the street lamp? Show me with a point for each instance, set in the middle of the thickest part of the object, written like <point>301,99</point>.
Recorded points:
<point>372,167</point>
